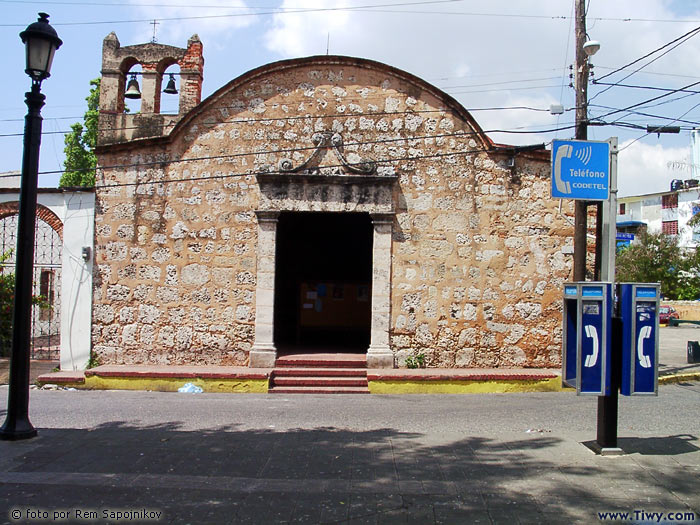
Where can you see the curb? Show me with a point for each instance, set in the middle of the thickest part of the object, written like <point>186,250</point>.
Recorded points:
<point>679,378</point>
<point>257,381</point>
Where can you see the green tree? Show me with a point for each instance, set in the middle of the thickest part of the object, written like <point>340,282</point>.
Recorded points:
<point>7,298</point>
<point>80,144</point>
<point>657,258</point>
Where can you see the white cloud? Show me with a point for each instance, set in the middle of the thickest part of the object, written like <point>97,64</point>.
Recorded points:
<point>213,31</point>
<point>298,34</point>
<point>645,168</point>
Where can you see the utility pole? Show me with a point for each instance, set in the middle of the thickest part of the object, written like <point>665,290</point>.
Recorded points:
<point>581,87</point>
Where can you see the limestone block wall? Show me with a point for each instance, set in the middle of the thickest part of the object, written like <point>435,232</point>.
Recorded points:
<point>479,261</point>
<point>478,252</point>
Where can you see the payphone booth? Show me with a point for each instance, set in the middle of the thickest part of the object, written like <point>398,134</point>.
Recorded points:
<point>639,309</point>
<point>587,337</point>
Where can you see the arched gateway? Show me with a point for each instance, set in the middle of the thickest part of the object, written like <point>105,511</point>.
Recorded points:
<point>315,202</point>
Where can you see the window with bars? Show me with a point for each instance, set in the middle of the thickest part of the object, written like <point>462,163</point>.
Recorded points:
<point>669,227</point>
<point>669,201</point>
<point>46,291</point>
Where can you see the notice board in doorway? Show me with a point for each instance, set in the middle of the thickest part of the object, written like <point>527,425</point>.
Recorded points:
<point>334,304</point>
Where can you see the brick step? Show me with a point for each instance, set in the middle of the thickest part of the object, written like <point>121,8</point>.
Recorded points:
<point>319,390</point>
<point>322,361</point>
<point>319,381</point>
<point>315,372</point>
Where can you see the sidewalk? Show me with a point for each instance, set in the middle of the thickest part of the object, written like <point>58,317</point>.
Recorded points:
<point>210,458</point>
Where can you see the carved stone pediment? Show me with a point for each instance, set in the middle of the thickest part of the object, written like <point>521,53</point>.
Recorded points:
<point>328,159</point>
<point>328,181</point>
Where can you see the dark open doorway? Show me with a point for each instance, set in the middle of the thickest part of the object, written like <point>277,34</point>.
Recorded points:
<point>323,279</point>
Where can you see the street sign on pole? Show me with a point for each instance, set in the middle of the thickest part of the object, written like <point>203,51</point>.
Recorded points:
<point>580,170</point>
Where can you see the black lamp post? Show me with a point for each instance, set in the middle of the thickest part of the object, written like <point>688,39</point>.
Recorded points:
<point>41,42</point>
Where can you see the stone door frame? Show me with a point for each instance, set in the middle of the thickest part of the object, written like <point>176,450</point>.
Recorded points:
<point>324,193</point>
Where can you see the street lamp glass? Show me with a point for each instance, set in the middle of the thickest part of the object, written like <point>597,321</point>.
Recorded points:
<point>41,42</point>
<point>591,47</point>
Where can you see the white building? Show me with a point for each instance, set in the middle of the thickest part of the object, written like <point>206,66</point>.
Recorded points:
<point>667,212</point>
<point>63,269</point>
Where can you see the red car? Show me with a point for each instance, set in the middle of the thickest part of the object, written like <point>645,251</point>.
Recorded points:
<point>667,312</point>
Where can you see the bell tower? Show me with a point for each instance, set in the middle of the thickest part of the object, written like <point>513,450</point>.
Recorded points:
<point>118,126</point>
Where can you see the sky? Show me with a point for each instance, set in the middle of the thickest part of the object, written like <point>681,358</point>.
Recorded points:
<point>514,55</point>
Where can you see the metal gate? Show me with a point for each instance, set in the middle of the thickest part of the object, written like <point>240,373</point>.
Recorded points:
<point>46,313</point>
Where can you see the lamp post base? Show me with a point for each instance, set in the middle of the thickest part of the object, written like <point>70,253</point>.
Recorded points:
<point>17,431</point>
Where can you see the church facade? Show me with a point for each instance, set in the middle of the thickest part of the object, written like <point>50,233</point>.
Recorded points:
<point>322,203</point>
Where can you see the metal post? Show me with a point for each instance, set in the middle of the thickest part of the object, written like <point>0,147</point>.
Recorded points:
<point>17,425</point>
<point>606,437</point>
<point>605,267</point>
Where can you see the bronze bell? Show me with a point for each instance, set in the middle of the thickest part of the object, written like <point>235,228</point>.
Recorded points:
<point>170,89</point>
<point>132,88</point>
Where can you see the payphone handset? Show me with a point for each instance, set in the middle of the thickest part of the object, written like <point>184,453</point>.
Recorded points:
<point>644,360</point>
<point>592,333</point>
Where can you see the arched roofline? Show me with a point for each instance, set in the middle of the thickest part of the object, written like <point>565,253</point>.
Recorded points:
<point>42,212</point>
<point>320,60</point>
<point>450,103</point>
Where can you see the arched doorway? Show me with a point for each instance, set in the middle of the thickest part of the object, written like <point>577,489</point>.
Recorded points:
<point>46,314</point>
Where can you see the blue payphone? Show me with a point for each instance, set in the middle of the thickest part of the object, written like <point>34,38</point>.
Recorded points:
<point>639,309</point>
<point>586,337</point>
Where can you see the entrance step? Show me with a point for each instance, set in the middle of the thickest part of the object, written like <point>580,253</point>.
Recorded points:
<point>323,360</point>
<point>318,390</point>
<point>320,381</point>
<point>320,374</point>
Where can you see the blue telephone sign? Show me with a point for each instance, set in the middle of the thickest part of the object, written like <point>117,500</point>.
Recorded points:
<point>580,170</point>
<point>639,306</point>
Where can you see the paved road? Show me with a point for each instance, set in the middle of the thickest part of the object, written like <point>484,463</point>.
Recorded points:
<point>213,458</point>
<point>673,348</point>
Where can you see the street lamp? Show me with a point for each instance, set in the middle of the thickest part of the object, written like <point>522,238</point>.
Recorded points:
<point>41,42</point>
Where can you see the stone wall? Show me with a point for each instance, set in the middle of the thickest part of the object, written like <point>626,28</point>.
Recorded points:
<point>688,310</point>
<point>479,249</point>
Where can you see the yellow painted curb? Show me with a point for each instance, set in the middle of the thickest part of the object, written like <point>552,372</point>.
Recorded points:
<point>171,384</point>
<point>465,386</point>
<point>677,378</point>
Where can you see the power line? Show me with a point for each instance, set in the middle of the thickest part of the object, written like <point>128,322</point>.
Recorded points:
<point>668,124</point>
<point>650,115</point>
<point>671,101</point>
<point>500,83</point>
<point>654,73</point>
<point>678,41</point>
<point>500,74</point>
<point>652,88</point>
<point>505,89</point>
<point>692,32</point>
<point>291,150</point>
<point>373,8</point>
<point>301,117</point>
<point>367,8</point>
<point>649,100</point>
